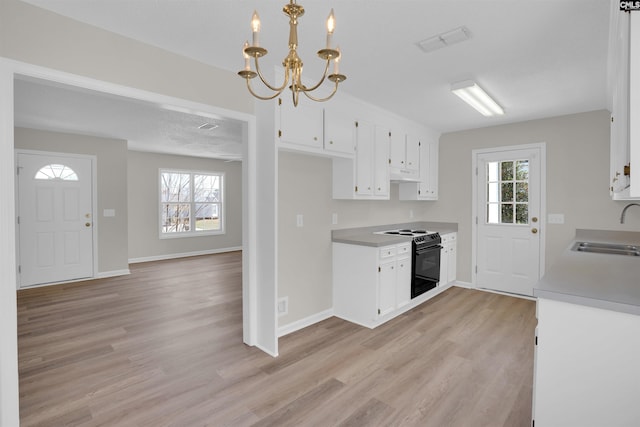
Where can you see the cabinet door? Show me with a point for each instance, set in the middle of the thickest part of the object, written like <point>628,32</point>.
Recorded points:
<point>398,149</point>
<point>339,131</point>
<point>428,187</point>
<point>412,159</point>
<point>387,287</point>
<point>403,281</point>
<point>381,162</point>
<point>302,124</point>
<point>364,158</point>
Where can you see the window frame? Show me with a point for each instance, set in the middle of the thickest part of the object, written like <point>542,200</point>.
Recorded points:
<point>192,232</point>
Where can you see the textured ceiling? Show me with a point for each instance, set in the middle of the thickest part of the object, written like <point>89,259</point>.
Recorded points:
<point>537,58</point>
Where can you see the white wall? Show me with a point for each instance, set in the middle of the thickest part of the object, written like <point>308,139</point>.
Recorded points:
<point>144,241</point>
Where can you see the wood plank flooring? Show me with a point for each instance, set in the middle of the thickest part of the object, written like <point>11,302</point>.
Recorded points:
<point>163,347</point>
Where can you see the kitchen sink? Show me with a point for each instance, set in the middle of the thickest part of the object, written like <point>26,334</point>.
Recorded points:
<point>606,248</point>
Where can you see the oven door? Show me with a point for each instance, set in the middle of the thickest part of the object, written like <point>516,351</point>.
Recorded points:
<point>426,269</point>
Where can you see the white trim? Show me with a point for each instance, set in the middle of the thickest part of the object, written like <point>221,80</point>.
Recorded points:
<point>183,255</point>
<point>112,273</point>
<point>303,323</point>
<point>465,285</point>
<point>542,146</point>
<point>507,294</point>
<point>94,208</point>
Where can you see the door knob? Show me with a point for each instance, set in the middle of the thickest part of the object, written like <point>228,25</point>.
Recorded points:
<point>534,230</point>
<point>534,219</point>
<point>87,224</point>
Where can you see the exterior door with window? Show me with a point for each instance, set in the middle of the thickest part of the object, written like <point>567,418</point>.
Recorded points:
<point>508,220</point>
<point>55,211</point>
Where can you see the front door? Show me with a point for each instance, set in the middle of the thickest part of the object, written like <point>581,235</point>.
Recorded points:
<point>508,209</point>
<point>55,218</point>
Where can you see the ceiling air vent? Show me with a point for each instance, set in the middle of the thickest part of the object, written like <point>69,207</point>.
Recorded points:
<point>445,39</point>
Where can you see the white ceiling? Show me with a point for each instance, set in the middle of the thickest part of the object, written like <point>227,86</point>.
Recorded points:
<point>537,58</point>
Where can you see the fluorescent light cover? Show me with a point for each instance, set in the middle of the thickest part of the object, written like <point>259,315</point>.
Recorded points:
<point>472,94</point>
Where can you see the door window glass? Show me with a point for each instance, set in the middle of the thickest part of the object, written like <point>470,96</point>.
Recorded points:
<point>508,192</point>
<point>56,171</point>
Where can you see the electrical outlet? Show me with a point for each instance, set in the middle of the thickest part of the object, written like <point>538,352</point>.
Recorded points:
<point>283,306</point>
<point>299,220</point>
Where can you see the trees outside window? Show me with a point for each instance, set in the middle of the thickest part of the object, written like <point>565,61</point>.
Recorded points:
<point>191,203</point>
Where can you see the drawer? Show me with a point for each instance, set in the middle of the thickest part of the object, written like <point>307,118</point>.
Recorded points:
<point>404,249</point>
<point>387,252</point>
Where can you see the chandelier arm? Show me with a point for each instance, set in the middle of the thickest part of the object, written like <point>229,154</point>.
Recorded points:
<point>264,98</point>
<point>324,76</point>
<point>335,89</point>
<point>275,89</point>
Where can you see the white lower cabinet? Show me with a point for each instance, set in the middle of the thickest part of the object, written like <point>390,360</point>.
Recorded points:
<point>586,366</point>
<point>448,260</point>
<point>370,283</point>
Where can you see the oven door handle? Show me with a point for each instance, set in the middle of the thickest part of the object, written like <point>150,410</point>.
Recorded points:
<point>430,248</point>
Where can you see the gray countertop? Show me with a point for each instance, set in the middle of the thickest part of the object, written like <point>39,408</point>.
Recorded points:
<point>598,280</point>
<point>364,236</point>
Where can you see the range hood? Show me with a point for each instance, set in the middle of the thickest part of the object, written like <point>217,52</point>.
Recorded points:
<point>403,175</point>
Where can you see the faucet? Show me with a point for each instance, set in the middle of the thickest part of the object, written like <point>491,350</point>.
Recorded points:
<point>624,211</point>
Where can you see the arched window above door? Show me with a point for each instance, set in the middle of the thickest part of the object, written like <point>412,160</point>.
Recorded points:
<point>56,171</point>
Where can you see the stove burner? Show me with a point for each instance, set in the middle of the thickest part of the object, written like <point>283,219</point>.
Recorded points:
<point>419,231</point>
<point>405,230</point>
<point>406,234</point>
<point>391,232</point>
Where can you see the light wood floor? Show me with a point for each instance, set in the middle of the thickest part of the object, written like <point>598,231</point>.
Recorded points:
<point>163,347</point>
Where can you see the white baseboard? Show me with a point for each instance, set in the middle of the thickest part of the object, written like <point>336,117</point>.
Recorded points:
<point>303,323</point>
<point>465,285</point>
<point>183,255</point>
<point>112,273</point>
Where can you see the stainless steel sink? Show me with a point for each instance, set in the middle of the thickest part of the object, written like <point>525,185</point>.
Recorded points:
<point>606,248</point>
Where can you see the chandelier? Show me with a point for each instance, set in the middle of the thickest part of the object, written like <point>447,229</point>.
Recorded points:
<point>292,63</point>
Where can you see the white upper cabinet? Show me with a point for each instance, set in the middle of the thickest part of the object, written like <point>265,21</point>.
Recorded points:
<point>302,125</point>
<point>412,158</point>
<point>338,131</point>
<point>427,188</point>
<point>625,105</point>
<point>366,176</point>
<point>398,149</point>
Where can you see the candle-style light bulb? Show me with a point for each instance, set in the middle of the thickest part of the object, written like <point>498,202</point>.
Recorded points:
<point>255,27</point>
<point>331,25</point>
<point>246,57</point>
<point>336,62</point>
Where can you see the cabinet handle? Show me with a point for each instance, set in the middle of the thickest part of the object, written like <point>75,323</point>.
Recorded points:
<point>315,138</point>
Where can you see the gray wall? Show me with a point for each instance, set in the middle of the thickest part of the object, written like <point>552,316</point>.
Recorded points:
<point>577,186</point>
<point>144,241</point>
<point>304,253</point>
<point>577,178</point>
<point>111,175</point>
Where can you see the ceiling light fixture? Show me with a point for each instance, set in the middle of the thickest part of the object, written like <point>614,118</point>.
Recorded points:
<point>474,95</point>
<point>292,62</point>
<point>445,39</point>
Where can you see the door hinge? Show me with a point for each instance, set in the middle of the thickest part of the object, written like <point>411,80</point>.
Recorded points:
<point>378,311</point>
<point>536,340</point>
<point>356,124</point>
<point>389,161</point>
<point>418,192</point>
<point>279,134</point>
<point>379,270</point>
<point>279,101</point>
<point>356,188</point>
